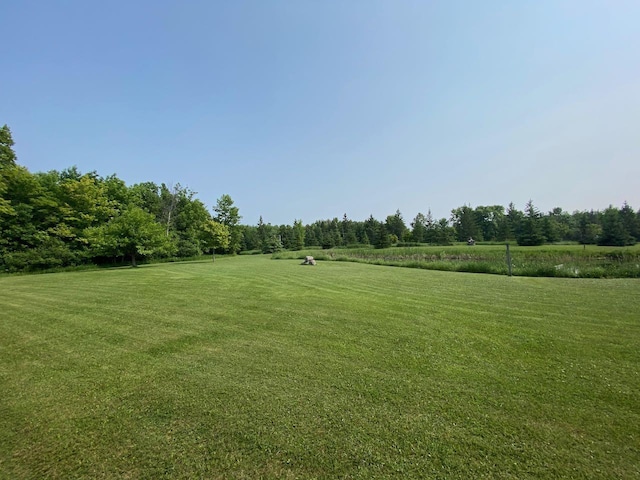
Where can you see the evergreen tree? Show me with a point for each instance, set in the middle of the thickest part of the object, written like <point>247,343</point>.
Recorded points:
<point>630,222</point>
<point>349,236</point>
<point>588,230</point>
<point>383,236</point>
<point>419,228</point>
<point>430,228</point>
<point>531,228</point>
<point>514,221</point>
<point>550,229</point>
<point>443,233</point>
<point>372,229</point>
<point>614,232</point>
<point>298,235</point>
<point>250,239</point>
<point>395,225</point>
<point>274,242</point>
<point>311,235</point>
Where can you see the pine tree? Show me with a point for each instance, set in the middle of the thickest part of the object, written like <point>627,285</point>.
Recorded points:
<point>531,227</point>
<point>630,221</point>
<point>384,238</point>
<point>614,232</point>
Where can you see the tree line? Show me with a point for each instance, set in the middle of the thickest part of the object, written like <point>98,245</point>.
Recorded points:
<point>66,218</point>
<point>58,219</point>
<point>611,227</point>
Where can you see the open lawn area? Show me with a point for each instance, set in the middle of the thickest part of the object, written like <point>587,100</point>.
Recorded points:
<point>254,368</point>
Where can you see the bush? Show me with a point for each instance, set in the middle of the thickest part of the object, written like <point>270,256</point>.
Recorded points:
<point>52,254</point>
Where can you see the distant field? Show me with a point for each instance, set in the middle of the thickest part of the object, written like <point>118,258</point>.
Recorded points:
<point>254,368</point>
<point>574,261</point>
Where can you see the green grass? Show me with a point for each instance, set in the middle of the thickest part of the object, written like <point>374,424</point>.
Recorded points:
<point>252,368</point>
<point>573,261</point>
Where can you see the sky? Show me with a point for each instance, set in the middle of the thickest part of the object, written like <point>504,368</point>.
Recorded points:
<point>314,109</point>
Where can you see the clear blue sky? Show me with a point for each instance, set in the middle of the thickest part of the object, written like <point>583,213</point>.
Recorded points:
<point>312,109</point>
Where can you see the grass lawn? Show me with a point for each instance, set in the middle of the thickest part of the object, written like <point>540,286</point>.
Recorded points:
<point>254,368</point>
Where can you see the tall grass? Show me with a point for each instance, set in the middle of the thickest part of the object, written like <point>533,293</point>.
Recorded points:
<point>575,261</point>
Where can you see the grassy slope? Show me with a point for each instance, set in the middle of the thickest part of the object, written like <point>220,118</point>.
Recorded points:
<point>252,368</point>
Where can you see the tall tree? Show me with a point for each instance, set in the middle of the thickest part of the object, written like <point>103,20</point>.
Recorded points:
<point>250,239</point>
<point>419,228</point>
<point>263,233</point>
<point>531,227</point>
<point>588,229</point>
<point>395,225</point>
<point>430,226</point>
<point>229,215</point>
<point>372,229</point>
<point>349,236</point>
<point>188,221</point>
<point>298,235</point>
<point>216,236</point>
<point>513,222</point>
<point>614,232</point>
<point>7,155</point>
<point>488,219</point>
<point>384,237</point>
<point>169,199</point>
<point>7,164</point>
<point>132,234</point>
<point>630,222</point>
<point>146,195</point>
<point>443,233</point>
<point>465,223</point>
<point>313,235</point>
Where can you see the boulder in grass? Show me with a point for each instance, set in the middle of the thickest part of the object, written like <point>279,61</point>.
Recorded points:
<point>309,260</point>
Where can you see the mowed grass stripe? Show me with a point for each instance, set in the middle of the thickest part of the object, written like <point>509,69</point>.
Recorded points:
<point>251,368</point>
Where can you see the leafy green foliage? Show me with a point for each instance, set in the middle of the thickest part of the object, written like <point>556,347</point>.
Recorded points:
<point>465,223</point>
<point>7,155</point>
<point>58,219</point>
<point>229,215</point>
<point>216,236</point>
<point>132,233</point>
<point>394,225</point>
<point>45,217</point>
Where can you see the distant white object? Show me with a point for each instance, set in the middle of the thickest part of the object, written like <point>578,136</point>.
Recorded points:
<point>309,260</point>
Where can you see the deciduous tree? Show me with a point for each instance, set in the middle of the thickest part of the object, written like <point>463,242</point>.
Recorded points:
<point>216,236</point>
<point>229,215</point>
<point>132,233</point>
